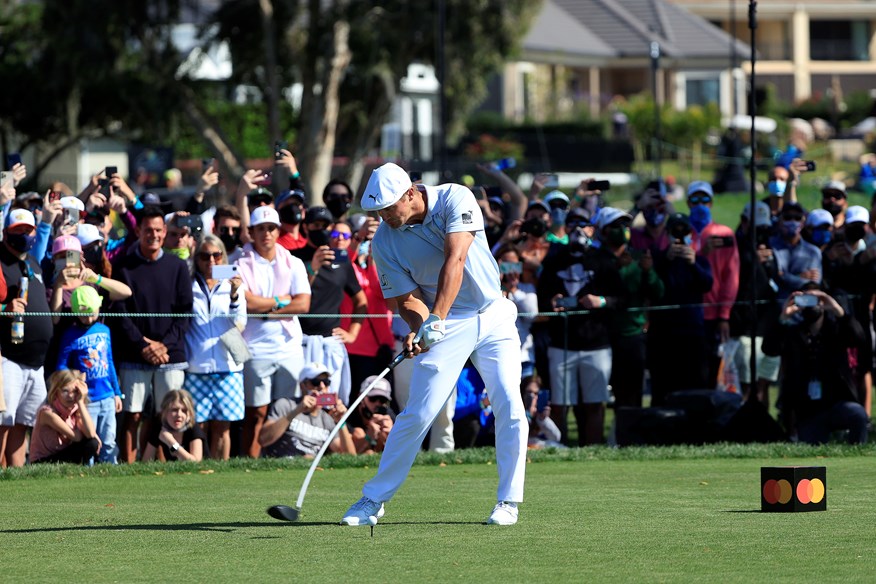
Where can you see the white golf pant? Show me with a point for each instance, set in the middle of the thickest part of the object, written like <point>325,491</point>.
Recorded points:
<point>491,340</point>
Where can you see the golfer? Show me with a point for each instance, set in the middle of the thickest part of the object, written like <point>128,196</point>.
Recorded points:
<point>433,259</point>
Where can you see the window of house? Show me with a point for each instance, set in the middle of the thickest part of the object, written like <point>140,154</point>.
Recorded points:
<point>839,40</point>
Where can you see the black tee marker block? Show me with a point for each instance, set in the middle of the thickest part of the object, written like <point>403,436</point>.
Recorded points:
<point>793,488</point>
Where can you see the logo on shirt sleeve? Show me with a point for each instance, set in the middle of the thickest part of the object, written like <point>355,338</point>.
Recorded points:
<point>466,218</point>
<point>384,281</point>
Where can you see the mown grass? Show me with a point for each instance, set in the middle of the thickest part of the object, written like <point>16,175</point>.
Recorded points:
<point>596,514</point>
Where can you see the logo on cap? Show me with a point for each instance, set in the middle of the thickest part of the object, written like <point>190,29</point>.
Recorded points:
<point>373,196</point>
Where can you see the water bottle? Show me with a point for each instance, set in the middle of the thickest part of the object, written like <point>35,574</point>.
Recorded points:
<point>18,320</point>
<point>505,164</point>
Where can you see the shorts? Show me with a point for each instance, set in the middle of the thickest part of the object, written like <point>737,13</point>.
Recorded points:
<point>767,366</point>
<point>137,384</point>
<point>579,376</point>
<point>217,396</point>
<point>24,390</point>
<point>266,380</point>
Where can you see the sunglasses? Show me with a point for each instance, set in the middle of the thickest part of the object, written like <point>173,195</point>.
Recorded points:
<point>316,382</point>
<point>378,399</point>
<point>228,230</point>
<point>341,235</point>
<point>558,204</point>
<point>699,199</point>
<point>792,217</point>
<point>833,195</point>
<point>577,223</point>
<point>205,256</point>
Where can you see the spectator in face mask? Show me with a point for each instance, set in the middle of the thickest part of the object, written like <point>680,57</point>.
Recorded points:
<point>24,386</point>
<point>338,198</point>
<point>819,394</point>
<point>226,226</point>
<point>849,266</point>
<point>655,209</point>
<point>818,229</point>
<point>580,278</point>
<point>741,317</point>
<point>797,262</point>
<point>642,287</point>
<point>717,243</point>
<point>558,203</point>
<point>679,331</point>
<point>290,205</point>
<point>835,202</point>
<point>331,276</point>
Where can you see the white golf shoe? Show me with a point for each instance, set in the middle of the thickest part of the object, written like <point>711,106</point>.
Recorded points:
<point>504,513</point>
<point>363,512</point>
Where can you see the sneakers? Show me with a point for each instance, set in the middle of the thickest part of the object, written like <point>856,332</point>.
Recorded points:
<point>367,512</point>
<point>504,513</point>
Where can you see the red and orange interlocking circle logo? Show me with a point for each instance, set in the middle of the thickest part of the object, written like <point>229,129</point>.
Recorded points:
<point>780,491</point>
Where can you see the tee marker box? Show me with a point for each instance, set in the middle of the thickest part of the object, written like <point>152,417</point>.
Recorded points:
<point>793,488</point>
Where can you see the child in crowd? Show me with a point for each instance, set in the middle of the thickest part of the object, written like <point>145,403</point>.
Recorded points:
<point>178,436</point>
<point>86,346</point>
<point>64,431</point>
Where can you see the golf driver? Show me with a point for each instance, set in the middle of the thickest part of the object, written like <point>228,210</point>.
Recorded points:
<point>286,513</point>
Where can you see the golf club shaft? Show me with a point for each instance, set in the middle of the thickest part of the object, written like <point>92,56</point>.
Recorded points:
<point>398,359</point>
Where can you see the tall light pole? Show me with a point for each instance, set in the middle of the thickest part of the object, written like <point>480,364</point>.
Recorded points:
<point>658,145</point>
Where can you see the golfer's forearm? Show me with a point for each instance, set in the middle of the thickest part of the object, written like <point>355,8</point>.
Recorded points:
<point>449,282</point>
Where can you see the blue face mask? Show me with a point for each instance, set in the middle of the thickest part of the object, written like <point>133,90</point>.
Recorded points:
<point>20,242</point>
<point>558,216</point>
<point>790,228</point>
<point>777,187</point>
<point>700,216</point>
<point>821,237</point>
<point>653,218</point>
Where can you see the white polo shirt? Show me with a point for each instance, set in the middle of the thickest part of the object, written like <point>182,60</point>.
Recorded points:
<point>411,256</point>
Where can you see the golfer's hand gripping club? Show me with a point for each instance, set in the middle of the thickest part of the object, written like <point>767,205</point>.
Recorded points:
<point>431,331</point>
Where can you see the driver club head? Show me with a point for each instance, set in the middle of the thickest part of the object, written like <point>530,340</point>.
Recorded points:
<point>283,513</point>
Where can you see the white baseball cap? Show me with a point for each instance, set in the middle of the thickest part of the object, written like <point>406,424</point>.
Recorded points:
<point>264,215</point>
<point>761,214</point>
<point>88,234</point>
<point>835,185</point>
<point>857,214</point>
<point>72,203</point>
<point>386,186</point>
<point>819,217</point>
<point>19,217</point>
<point>556,196</point>
<point>700,186</point>
<point>313,370</point>
<point>608,215</point>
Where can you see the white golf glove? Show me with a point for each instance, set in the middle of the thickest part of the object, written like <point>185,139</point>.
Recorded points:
<point>431,331</point>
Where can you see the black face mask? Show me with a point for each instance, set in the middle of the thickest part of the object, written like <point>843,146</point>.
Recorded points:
<point>93,256</point>
<point>535,227</point>
<point>230,240</point>
<point>319,237</point>
<point>854,232</point>
<point>290,214</point>
<point>337,206</point>
<point>832,208</point>
<point>810,314</point>
<point>617,236</point>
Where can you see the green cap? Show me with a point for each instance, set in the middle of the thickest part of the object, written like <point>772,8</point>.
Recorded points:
<point>85,300</point>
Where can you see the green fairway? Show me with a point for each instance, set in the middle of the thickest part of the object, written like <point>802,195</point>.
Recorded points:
<point>655,515</point>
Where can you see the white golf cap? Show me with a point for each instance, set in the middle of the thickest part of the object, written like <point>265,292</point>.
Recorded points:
<point>386,186</point>
<point>608,215</point>
<point>819,217</point>
<point>835,185</point>
<point>381,387</point>
<point>313,370</point>
<point>700,186</point>
<point>19,218</point>
<point>72,203</point>
<point>761,214</point>
<point>264,215</point>
<point>857,214</point>
<point>556,196</point>
<point>88,234</point>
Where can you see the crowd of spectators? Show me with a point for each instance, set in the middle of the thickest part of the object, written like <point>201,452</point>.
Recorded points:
<point>247,329</point>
